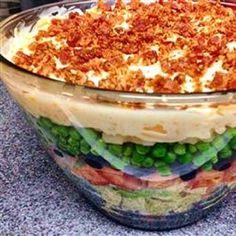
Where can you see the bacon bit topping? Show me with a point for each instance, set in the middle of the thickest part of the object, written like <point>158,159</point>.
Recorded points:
<point>111,40</point>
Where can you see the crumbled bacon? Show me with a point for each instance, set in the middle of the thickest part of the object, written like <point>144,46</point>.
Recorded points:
<point>219,82</point>
<point>150,57</point>
<point>96,41</point>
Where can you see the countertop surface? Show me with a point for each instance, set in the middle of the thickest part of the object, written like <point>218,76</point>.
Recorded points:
<point>37,199</point>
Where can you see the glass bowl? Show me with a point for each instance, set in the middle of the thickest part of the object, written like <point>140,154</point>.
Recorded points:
<point>149,161</point>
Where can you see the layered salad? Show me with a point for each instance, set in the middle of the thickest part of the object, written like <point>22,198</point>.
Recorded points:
<point>136,160</point>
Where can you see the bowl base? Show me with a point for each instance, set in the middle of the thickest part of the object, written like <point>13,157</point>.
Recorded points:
<point>161,224</point>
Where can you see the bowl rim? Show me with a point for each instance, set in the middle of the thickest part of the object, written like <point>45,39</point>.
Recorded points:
<point>128,96</point>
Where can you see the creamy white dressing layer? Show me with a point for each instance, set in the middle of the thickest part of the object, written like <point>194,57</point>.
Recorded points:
<point>119,124</point>
<point>231,46</point>
<point>96,78</point>
<point>155,48</point>
<point>172,38</point>
<point>149,71</point>
<point>59,65</point>
<point>123,25</point>
<point>176,54</point>
<point>189,85</point>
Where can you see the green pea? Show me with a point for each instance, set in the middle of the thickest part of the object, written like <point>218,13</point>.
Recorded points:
<point>202,146</point>
<point>179,149</point>
<point>148,162</point>
<point>101,144</point>
<point>159,163</point>
<point>84,147</point>
<point>64,131</point>
<point>73,142</point>
<point>218,143</point>
<point>55,132</point>
<point>141,149</point>
<point>137,159</point>
<point>73,150</point>
<point>170,157</point>
<point>159,150</point>
<point>232,132</point>
<point>62,144</point>
<point>164,170</point>
<point>61,131</point>
<point>45,123</point>
<point>214,159</point>
<point>232,143</point>
<point>185,159</point>
<point>115,149</point>
<point>226,152</point>
<point>126,159</point>
<point>74,134</point>
<point>192,148</point>
<point>128,149</point>
<point>207,166</point>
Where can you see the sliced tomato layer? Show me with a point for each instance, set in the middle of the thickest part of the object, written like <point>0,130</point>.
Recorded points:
<point>107,175</point>
<point>230,174</point>
<point>90,174</point>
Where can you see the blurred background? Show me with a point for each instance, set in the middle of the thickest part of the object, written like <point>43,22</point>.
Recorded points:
<point>26,4</point>
<point>8,7</point>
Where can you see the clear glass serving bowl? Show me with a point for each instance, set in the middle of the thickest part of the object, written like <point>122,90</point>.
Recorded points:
<point>148,161</point>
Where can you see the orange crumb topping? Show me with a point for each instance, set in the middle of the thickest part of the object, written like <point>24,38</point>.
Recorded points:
<point>96,41</point>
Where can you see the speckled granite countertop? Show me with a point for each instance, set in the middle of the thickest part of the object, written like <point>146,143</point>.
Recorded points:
<point>37,199</point>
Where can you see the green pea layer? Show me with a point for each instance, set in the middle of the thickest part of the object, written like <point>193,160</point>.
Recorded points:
<point>161,155</point>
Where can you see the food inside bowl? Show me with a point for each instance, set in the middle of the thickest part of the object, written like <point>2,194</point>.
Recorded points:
<point>156,180</point>
<point>152,164</point>
<point>168,47</point>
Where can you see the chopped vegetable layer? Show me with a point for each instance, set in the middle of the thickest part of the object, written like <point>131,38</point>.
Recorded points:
<point>165,158</point>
